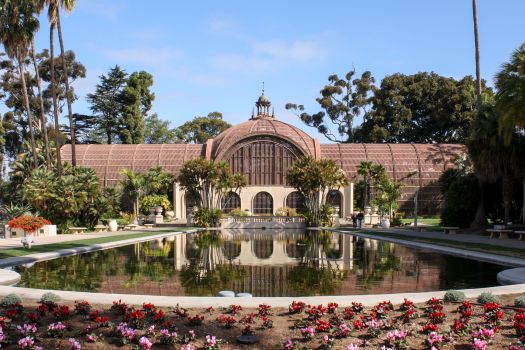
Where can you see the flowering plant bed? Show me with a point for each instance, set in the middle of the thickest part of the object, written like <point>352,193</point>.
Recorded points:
<point>28,223</point>
<point>433,325</point>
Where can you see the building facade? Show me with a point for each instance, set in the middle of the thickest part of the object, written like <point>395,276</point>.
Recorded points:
<point>263,148</point>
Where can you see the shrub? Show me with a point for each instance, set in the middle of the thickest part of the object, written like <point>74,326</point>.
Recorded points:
<point>396,220</point>
<point>283,211</point>
<point>206,218</point>
<point>153,201</point>
<point>461,200</point>
<point>487,297</point>
<point>238,212</point>
<point>28,223</point>
<point>11,299</point>
<point>50,299</point>
<point>454,296</point>
<point>520,302</point>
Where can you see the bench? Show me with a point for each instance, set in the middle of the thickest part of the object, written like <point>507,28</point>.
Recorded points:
<point>75,230</point>
<point>420,228</point>
<point>131,227</point>
<point>450,230</point>
<point>101,228</point>
<point>121,227</point>
<point>501,233</point>
<point>148,226</point>
<point>521,234</point>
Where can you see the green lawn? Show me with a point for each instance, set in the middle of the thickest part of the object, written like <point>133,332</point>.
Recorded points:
<point>479,247</point>
<point>432,222</point>
<point>44,248</point>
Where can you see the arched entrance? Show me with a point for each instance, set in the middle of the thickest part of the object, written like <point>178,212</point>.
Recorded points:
<point>192,200</point>
<point>230,202</point>
<point>335,200</point>
<point>295,200</point>
<point>262,203</point>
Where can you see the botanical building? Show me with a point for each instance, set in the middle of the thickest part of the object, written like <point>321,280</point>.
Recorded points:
<point>263,148</point>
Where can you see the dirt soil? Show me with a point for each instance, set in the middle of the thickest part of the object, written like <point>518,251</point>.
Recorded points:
<point>285,326</point>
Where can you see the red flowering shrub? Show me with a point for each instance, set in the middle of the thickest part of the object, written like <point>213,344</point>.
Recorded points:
<point>82,307</point>
<point>492,313</point>
<point>226,321</point>
<point>233,309</point>
<point>332,307</point>
<point>119,307</point>
<point>296,307</point>
<point>519,323</point>
<point>265,310</point>
<point>195,320</point>
<point>429,328</point>
<point>61,312</point>
<point>28,223</point>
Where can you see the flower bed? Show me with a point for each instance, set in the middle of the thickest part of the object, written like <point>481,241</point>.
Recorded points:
<point>431,325</point>
<point>28,223</point>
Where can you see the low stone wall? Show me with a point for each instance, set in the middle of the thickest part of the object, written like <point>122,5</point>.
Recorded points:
<point>263,222</point>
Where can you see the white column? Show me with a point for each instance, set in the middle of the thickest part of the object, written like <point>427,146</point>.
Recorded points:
<point>348,200</point>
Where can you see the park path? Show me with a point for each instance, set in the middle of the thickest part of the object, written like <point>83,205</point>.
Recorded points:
<point>474,238</point>
<point>10,243</point>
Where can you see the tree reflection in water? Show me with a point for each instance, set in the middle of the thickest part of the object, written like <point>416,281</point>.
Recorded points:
<point>208,272</point>
<point>316,273</point>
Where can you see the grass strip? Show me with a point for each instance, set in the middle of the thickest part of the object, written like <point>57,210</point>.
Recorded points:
<point>44,248</point>
<point>478,247</point>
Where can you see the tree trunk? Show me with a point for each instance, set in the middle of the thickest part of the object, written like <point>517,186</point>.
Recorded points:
<point>480,220</point>
<point>28,111</point>
<point>506,192</point>
<point>55,99</point>
<point>43,119</point>
<point>68,96</point>
<point>476,46</point>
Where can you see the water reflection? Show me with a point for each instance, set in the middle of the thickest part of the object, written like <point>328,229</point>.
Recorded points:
<point>264,263</point>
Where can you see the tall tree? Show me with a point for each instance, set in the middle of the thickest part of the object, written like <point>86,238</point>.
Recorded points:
<point>18,28</point>
<point>476,47</point>
<point>200,129</point>
<point>105,102</point>
<point>423,107</point>
<point>157,131</point>
<point>67,5</point>
<point>43,119</point>
<point>510,96</point>
<point>342,100</point>
<point>136,99</point>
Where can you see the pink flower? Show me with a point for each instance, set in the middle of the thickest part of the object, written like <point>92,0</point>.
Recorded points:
<point>145,343</point>
<point>188,347</point>
<point>308,332</point>
<point>75,345</point>
<point>26,343</point>
<point>211,340</point>
<point>288,345</point>
<point>352,347</point>
<point>479,344</point>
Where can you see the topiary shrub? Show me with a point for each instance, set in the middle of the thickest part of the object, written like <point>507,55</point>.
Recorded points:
<point>520,302</point>
<point>49,299</point>
<point>10,300</point>
<point>487,297</point>
<point>454,296</point>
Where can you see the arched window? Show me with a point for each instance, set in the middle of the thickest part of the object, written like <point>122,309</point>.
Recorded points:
<point>264,161</point>
<point>334,199</point>
<point>230,201</point>
<point>263,203</point>
<point>295,200</point>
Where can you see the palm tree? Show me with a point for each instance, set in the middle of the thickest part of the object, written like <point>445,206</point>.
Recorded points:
<point>16,33</point>
<point>43,119</point>
<point>134,185</point>
<point>54,6</point>
<point>476,45</point>
<point>365,170</point>
<point>494,159</point>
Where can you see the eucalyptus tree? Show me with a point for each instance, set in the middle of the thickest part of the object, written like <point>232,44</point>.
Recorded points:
<point>18,28</point>
<point>476,47</point>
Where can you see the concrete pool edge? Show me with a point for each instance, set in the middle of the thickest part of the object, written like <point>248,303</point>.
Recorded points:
<point>459,252</point>
<point>33,258</point>
<point>166,301</point>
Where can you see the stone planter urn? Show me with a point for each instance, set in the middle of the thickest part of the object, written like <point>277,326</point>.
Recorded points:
<point>368,210</point>
<point>374,210</point>
<point>158,210</point>
<point>385,223</point>
<point>112,225</point>
<point>170,214</point>
<point>152,211</point>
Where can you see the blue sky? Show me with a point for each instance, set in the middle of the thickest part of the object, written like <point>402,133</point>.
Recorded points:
<point>213,55</point>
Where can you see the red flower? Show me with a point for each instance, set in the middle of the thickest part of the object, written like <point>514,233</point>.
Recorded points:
<point>28,223</point>
<point>359,324</point>
<point>322,326</point>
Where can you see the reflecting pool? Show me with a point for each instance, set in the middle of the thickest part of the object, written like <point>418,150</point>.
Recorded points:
<point>261,262</point>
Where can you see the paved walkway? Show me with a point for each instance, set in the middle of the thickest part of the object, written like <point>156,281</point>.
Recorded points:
<point>461,237</point>
<point>9,243</point>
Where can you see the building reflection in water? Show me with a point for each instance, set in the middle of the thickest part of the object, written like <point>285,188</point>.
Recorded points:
<point>260,262</point>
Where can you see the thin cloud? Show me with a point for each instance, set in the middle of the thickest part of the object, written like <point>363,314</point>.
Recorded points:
<point>144,56</point>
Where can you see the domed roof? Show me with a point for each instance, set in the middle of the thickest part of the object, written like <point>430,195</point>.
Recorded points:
<point>263,125</point>
<point>263,98</point>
